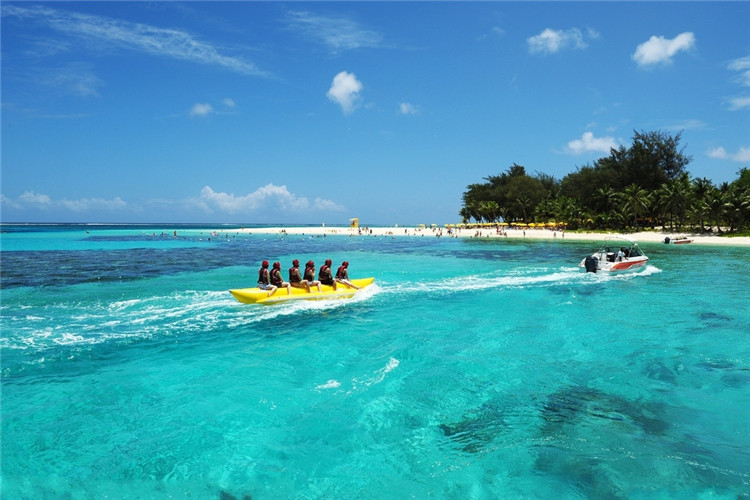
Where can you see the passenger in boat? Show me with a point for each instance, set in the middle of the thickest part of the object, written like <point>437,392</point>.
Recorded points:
<point>264,279</point>
<point>310,274</point>
<point>295,277</point>
<point>342,275</point>
<point>325,275</point>
<point>276,278</point>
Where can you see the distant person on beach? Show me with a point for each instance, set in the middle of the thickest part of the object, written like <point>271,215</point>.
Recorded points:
<point>310,274</point>
<point>325,275</point>
<point>264,279</point>
<point>342,275</point>
<point>295,277</point>
<point>276,279</point>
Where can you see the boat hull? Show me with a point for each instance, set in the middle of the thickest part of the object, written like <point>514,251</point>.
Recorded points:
<point>258,296</point>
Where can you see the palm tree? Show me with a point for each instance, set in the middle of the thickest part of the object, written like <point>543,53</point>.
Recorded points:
<point>635,200</point>
<point>699,212</point>
<point>607,198</point>
<point>524,202</point>
<point>489,210</point>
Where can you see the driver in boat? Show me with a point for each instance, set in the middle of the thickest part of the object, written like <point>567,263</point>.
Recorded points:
<point>621,255</point>
<point>264,279</point>
<point>276,278</point>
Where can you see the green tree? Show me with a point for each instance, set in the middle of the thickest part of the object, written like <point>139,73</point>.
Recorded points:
<point>635,202</point>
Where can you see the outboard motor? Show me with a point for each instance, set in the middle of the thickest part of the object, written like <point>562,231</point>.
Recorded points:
<point>666,240</point>
<point>592,264</point>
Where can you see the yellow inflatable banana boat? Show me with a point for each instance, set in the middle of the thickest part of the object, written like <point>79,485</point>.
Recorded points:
<point>258,296</point>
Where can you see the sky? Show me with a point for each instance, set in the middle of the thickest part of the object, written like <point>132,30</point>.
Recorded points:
<point>318,112</point>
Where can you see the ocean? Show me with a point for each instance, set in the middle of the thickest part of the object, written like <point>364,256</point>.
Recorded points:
<point>471,369</point>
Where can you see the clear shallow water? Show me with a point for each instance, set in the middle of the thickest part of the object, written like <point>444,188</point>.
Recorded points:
<point>473,369</point>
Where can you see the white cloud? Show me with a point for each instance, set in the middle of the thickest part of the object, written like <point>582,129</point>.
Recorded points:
<point>85,204</point>
<point>660,50</point>
<point>38,201</point>
<point>589,143</point>
<point>74,78</point>
<point>407,108</point>
<point>742,154</point>
<point>338,33</point>
<point>345,90</point>
<point>741,65</point>
<point>228,102</point>
<point>737,103</point>
<point>201,109</point>
<point>30,198</point>
<point>99,30</point>
<point>270,194</point>
<point>550,41</point>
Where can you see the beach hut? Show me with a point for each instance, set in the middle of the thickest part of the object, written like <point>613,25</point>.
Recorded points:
<point>354,223</point>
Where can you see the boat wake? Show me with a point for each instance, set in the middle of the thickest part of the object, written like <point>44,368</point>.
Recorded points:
<point>522,278</point>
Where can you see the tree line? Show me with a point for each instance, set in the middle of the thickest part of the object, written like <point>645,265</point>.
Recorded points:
<point>644,185</point>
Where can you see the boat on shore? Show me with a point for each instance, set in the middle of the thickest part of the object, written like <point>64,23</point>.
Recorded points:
<point>678,240</point>
<point>257,296</point>
<point>617,254</point>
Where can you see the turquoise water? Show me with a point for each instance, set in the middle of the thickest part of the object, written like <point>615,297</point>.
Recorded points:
<point>472,369</point>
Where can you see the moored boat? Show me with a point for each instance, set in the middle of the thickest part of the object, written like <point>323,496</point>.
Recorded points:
<point>679,240</point>
<point>617,254</point>
<point>258,296</point>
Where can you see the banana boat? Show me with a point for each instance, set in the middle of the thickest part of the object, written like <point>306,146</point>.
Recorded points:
<point>258,296</point>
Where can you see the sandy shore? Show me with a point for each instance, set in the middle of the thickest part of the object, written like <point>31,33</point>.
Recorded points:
<point>536,233</point>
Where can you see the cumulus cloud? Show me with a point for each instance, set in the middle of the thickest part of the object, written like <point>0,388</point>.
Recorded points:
<point>742,154</point>
<point>407,108</point>
<point>588,143</point>
<point>345,90</point>
<point>550,41</point>
<point>201,109</point>
<point>32,199</point>
<point>337,33</point>
<point>39,201</point>
<point>660,50</point>
<point>279,196</point>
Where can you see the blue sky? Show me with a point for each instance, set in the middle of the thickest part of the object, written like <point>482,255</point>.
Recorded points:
<point>315,112</point>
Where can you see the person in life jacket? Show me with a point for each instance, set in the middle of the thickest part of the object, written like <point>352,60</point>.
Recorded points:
<point>264,279</point>
<point>309,275</point>
<point>276,279</point>
<point>325,275</point>
<point>295,277</point>
<point>342,275</point>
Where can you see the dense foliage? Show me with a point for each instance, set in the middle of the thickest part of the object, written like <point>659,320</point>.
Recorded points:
<point>645,185</point>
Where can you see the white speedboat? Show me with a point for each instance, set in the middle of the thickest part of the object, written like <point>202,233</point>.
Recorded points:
<point>617,254</point>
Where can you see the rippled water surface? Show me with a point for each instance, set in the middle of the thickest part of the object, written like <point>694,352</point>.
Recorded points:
<point>471,369</point>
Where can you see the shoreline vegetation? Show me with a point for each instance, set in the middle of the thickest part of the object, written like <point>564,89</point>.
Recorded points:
<point>490,232</point>
<point>646,185</point>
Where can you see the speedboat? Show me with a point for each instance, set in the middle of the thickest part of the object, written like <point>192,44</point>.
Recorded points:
<point>617,254</point>
<point>678,240</point>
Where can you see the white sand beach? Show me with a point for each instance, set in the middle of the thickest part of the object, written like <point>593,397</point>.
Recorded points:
<point>656,236</point>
